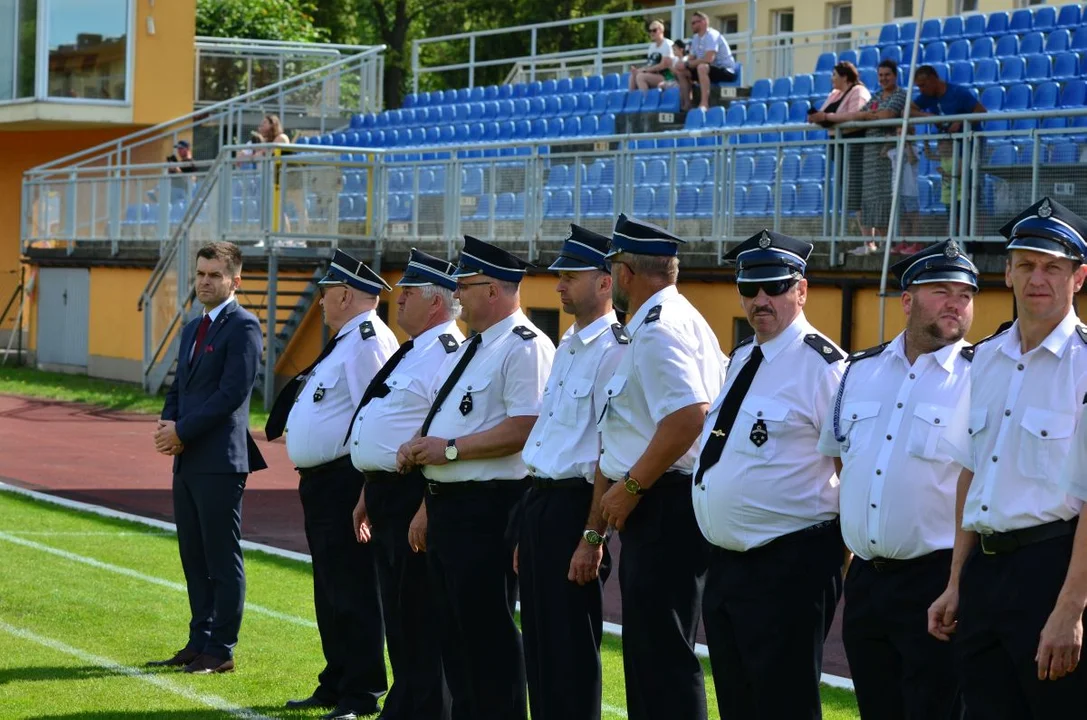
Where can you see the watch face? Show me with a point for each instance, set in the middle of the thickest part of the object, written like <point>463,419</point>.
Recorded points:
<point>593,537</point>
<point>632,486</point>
<point>451,452</point>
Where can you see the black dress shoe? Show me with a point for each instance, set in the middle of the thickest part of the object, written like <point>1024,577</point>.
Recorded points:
<point>180,658</point>
<point>311,702</point>
<point>204,664</point>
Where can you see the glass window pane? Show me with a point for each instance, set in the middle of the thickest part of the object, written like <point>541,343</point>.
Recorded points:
<point>8,29</point>
<point>88,40</point>
<point>28,47</point>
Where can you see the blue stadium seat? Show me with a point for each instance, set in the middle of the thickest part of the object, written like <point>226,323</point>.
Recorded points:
<point>992,98</point>
<point>669,100</point>
<point>632,103</point>
<point>567,105</point>
<point>888,34</point>
<point>555,127</point>
<point>802,87</point>
<point>590,125</point>
<point>504,109</point>
<point>891,52</point>
<point>1021,21</point>
<point>826,62</point>
<point>1079,39</point>
<point>475,111</point>
<point>1065,66</point>
<point>715,117</point>
<point>696,119</point>
<point>550,87</point>
<point>744,169</point>
<point>798,111</point>
<point>983,47</point>
<point>602,204</point>
<point>607,123</point>
<point>656,173</point>
<point>958,50</point>
<point>961,72</point>
<point>761,89</point>
<point>1031,43</point>
<point>1045,18</point>
<point>760,201</point>
<point>823,87</point>
<point>813,166</point>
<point>534,88</point>
<point>504,92</point>
<point>1018,97</point>
<point>1012,70</point>
<point>477,94</point>
<point>571,127</point>
<point>941,69</point>
<point>870,77</point>
<point>503,206</point>
<point>490,109</point>
<point>953,28</point>
<point>934,52</point>
<point>765,169</point>
<point>1064,153</point>
<point>869,57</point>
<point>559,204</point>
<point>739,199</point>
<point>790,167</point>
<point>564,86</point>
<point>616,99</point>
<point>930,30</point>
<point>1058,41</point>
<point>907,32</point>
<point>611,82</point>
<point>705,202</point>
<point>579,84</point>
<point>787,199</point>
<point>687,201</point>
<point>1039,67</point>
<point>1046,96</point>
<point>809,200</point>
<point>643,200</point>
<point>736,115</point>
<point>1069,16</point>
<point>1074,93</point>
<point>849,56</point>
<point>782,88</point>
<point>974,26</point>
<point>986,72</point>
<point>698,172</point>
<point>594,83</point>
<point>522,129</point>
<point>1007,46</point>
<point>1004,155</point>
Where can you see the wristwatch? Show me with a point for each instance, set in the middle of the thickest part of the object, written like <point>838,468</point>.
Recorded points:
<point>632,486</point>
<point>451,450</point>
<point>592,537</point>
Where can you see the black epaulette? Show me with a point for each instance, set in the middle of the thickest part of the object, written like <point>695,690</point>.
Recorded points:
<point>968,352</point>
<point>448,342</point>
<point>366,329</point>
<point>1081,330</point>
<point>523,332</point>
<point>870,352</point>
<point>746,341</point>
<point>825,347</point>
<point>653,315</point>
<point>620,333</point>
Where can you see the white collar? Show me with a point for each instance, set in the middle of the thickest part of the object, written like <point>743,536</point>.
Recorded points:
<point>355,322</point>
<point>428,336</point>
<point>797,327</point>
<point>503,326</point>
<point>944,357</point>
<point>1055,342</point>
<point>596,328</point>
<point>658,298</point>
<point>214,313</point>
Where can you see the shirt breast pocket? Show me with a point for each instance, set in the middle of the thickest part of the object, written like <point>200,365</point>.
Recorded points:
<point>857,422</point>
<point>572,401</point>
<point>760,425</point>
<point>395,384</point>
<point>326,382</point>
<point>613,392</point>
<point>471,398</point>
<point>1042,452</point>
<point>926,429</point>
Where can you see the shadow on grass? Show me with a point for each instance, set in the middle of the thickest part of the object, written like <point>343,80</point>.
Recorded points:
<point>39,673</point>
<point>272,711</point>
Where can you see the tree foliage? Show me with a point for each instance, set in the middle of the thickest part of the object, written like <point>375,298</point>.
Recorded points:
<point>291,20</point>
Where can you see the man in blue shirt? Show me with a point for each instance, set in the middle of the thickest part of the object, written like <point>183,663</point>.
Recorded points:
<point>941,98</point>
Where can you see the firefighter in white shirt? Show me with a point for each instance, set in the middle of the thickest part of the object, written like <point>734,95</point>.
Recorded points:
<point>318,405</point>
<point>1018,583</point>
<point>897,494</point>
<point>562,556</point>
<point>486,400</point>
<point>656,402</point>
<point>390,508</point>
<point>766,499</point>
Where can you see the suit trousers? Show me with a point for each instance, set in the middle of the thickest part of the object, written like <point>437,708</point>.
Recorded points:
<point>767,613</point>
<point>418,691</point>
<point>1004,602</point>
<point>345,593</point>
<point>900,672</point>
<point>208,514</point>
<point>470,558</point>
<point>662,574</point>
<point>562,621</point>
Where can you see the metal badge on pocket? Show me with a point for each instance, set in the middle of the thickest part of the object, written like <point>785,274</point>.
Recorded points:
<point>759,434</point>
<point>466,404</point>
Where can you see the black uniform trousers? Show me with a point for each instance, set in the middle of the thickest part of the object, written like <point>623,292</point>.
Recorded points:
<point>407,605</point>
<point>899,671</point>
<point>767,613</point>
<point>1004,602</point>
<point>208,515</point>
<point>662,573</point>
<point>470,557</point>
<point>562,621</point>
<point>345,593</point>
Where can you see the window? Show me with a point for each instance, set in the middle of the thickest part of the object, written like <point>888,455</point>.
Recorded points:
<point>1028,3</point>
<point>728,25</point>
<point>841,15</point>
<point>88,48</point>
<point>958,7</point>
<point>547,320</point>
<point>901,9</point>
<point>782,23</point>
<point>18,25</point>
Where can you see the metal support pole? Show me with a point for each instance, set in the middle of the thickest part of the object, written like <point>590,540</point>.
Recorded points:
<point>472,61</point>
<point>270,334</point>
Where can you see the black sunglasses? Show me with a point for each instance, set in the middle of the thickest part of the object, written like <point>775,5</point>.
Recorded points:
<point>773,288</point>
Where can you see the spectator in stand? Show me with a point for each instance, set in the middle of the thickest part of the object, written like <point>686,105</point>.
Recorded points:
<point>941,98</point>
<point>182,163</point>
<point>679,54</point>
<point>909,203</point>
<point>658,61</point>
<point>710,59</point>
<point>847,98</point>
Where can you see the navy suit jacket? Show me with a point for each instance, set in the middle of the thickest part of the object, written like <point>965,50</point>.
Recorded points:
<point>209,398</point>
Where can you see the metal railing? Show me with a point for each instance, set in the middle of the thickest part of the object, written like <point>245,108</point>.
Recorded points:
<point>767,56</point>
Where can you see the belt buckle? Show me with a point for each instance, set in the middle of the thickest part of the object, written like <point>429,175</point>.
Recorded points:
<point>879,564</point>
<point>985,550</point>
<point>432,488</point>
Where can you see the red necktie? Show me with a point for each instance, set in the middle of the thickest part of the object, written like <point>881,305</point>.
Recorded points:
<point>201,333</point>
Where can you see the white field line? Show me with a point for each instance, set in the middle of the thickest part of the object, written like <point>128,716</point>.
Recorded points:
<point>211,701</point>
<point>136,575</point>
<point>58,533</point>
<point>615,629</point>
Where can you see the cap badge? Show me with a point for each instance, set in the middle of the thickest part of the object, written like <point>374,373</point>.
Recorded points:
<point>1045,209</point>
<point>764,241</point>
<point>951,251</point>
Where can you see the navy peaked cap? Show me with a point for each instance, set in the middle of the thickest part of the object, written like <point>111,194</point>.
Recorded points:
<point>940,262</point>
<point>346,270</point>
<point>583,250</point>
<point>483,258</point>
<point>1048,227</point>
<point>424,269</point>
<point>641,238</point>
<point>769,256</point>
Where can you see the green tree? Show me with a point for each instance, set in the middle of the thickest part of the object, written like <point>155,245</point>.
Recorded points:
<point>291,20</point>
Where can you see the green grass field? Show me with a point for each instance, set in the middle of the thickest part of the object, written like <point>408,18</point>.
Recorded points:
<point>86,600</point>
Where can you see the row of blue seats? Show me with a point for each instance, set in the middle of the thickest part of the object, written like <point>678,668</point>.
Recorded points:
<point>1001,47</point>
<point>1044,17</point>
<point>616,101</point>
<point>592,83</point>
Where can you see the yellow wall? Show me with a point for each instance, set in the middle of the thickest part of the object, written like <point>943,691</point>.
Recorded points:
<point>116,326</point>
<point>164,62</point>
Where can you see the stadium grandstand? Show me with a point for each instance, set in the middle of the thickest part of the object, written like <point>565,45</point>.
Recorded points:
<point>562,140</point>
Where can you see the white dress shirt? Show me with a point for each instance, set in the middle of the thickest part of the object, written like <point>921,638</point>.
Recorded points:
<point>757,493</point>
<point>565,442</point>
<point>674,361</point>
<point>213,314</point>
<point>322,411</point>
<point>388,422</point>
<point>897,492</point>
<point>505,379</point>
<point>1018,428</point>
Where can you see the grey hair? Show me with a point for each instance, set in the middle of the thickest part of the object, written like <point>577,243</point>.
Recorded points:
<point>507,287</point>
<point>450,302</point>
<point>665,267</point>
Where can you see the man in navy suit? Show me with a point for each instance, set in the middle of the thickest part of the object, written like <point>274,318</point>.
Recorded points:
<point>205,427</point>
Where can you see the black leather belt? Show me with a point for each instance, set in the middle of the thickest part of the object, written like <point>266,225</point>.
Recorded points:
<point>826,525</point>
<point>890,565</point>
<point>542,483</point>
<point>673,478</point>
<point>381,476</point>
<point>1006,542</point>
<point>470,486</point>
<point>339,464</point>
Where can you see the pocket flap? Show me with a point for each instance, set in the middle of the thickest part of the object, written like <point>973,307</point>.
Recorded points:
<point>398,382</point>
<point>851,412</point>
<point>615,385</point>
<point>474,384</point>
<point>978,419</point>
<point>328,378</point>
<point>578,387</point>
<point>938,415</point>
<point>1047,424</point>
<point>764,407</point>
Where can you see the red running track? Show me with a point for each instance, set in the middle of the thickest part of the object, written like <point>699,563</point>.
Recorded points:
<point>107,458</point>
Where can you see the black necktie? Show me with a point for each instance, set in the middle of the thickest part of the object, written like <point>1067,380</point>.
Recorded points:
<point>277,419</point>
<point>726,416</point>
<point>447,388</point>
<point>377,385</point>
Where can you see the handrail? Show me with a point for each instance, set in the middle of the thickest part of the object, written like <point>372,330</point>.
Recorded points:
<point>106,148</point>
<point>279,44</point>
